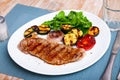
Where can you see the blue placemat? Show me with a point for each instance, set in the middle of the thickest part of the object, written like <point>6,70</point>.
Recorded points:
<point>21,14</point>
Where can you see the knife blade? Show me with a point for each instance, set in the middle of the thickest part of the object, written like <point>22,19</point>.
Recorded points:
<point>108,71</point>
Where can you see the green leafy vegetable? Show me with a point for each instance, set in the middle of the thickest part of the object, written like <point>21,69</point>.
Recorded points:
<point>75,19</point>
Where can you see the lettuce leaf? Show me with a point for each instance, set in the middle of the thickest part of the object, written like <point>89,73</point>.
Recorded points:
<point>76,19</point>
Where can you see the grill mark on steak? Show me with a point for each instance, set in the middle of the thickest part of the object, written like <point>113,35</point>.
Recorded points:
<point>68,51</point>
<point>31,44</point>
<point>56,55</point>
<point>42,46</point>
<point>58,58</point>
<point>23,46</point>
<point>50,52</point>
<point>54,52</point>
<point>36,48</point>
<point>71,56</point>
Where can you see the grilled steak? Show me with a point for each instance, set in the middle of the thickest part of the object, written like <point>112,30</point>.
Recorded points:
<point>50,52</point>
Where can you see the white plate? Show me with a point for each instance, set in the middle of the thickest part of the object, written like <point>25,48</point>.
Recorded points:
<point>36,65</point>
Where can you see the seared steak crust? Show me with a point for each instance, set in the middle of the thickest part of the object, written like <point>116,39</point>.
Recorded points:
<point>50,52</point>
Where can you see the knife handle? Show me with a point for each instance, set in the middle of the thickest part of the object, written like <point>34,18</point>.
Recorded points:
<point>108,72</point>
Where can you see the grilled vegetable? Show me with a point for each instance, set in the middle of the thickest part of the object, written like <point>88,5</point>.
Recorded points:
<point>87,42</point>
<point>78,32</point>
<point>55,36</point>
<point>35,28</point>
<point>66,28</point>
<point>70,39</point>
<point>43,29</point>
<point>76,19</point>
<point>93,31</point>
<point>28,32</point>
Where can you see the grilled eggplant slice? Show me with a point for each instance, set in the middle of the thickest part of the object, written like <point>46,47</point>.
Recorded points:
<point>70,39</point>
<point>28,32</point>
<point>43,29</point>
<point>35,28</point>
<point>78,32</point>
<point>93,31</point>
<point>66,28</point>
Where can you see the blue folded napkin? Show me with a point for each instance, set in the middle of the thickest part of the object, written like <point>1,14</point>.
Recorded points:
<point>20,15</point>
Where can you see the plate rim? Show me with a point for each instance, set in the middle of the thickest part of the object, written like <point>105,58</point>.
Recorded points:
<point>58,73</point>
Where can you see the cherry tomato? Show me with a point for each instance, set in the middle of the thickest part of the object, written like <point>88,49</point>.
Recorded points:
<point>87,42</point>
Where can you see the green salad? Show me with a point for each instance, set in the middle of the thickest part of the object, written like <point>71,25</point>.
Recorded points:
<point>75,19</point>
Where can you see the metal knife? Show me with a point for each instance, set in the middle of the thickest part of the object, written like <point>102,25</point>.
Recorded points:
<point>108,72</point>
<point>118,77</point>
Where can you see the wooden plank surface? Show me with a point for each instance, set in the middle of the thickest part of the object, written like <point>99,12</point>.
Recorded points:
<point>8,77</point>
<point>93,6</point>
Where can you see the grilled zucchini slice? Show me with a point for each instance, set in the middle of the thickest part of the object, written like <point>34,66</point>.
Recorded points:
<point>70,39</point>
<point>28,32</point>
<point>78,32</point>
<point>43,29</point>
<point>66,28</point>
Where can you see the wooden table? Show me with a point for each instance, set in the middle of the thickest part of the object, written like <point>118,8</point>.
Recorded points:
<point>93,6</point>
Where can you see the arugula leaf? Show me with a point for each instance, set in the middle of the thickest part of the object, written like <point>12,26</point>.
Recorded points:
<point>76,19</point>
<point>60,16</point>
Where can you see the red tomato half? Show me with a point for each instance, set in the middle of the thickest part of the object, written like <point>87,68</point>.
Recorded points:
<point>87,42</point>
